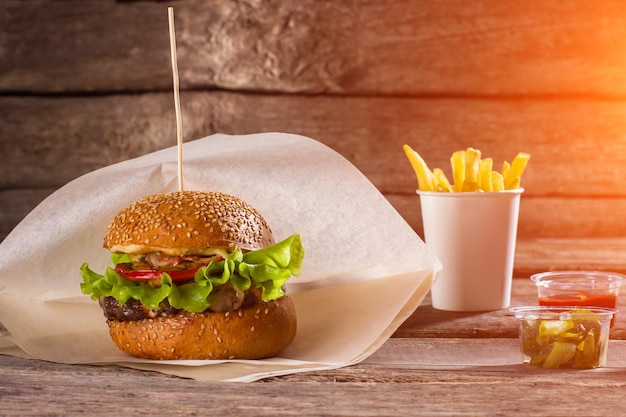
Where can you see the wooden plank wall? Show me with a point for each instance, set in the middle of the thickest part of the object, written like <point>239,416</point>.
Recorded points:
<point>86,84</point>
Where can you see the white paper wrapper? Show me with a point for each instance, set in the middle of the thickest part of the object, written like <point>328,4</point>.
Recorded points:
<point>365,270</point>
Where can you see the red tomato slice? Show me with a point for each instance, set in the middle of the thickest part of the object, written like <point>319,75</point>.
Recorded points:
<point>151,274</point>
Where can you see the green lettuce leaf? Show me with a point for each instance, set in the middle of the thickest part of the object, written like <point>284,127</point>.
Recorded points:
<point>268,268</point>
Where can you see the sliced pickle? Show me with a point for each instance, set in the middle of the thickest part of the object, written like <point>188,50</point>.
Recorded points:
<point>560,354</point>
<point>566,343</point>
<point>587,351</point>
<point>552,328</point>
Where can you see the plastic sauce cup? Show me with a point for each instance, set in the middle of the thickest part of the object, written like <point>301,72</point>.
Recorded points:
<point>579,288</point>
<point>564,337</point>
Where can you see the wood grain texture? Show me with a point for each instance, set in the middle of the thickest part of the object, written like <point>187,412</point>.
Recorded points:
<point>404,377</point>
<point>579,149</point>
<point>398,47</point>
<point>84,86</point>
<point>106,46</point>
<point>572,190</point>
<point>539,255</point>
<point>428,322</point>
<point>546,217</point>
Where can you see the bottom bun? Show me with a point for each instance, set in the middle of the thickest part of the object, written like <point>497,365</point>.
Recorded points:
<point>261,330</point>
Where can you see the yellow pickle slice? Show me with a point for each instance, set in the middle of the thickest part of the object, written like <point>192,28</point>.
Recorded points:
<point>574,342</point>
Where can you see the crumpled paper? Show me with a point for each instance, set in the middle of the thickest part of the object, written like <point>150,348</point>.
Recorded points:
<point>365,270</point>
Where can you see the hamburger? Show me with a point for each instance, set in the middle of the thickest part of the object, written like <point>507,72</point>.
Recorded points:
<point>196,275</point>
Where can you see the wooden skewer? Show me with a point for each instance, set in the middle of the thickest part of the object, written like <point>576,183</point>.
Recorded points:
<point>179,123</point>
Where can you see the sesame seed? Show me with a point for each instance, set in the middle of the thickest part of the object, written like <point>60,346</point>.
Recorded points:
<point>200,214</point>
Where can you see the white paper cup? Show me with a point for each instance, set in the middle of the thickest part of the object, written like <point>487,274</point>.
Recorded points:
<point>473,234</point>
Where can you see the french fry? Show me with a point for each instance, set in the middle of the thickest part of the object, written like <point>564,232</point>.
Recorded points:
<point>424,176</point>
<point>505,168</point>
<point>513,184</point>
<point>513,176</point>
<point>457,161</point>
<point>472,162</point>
<point>484,174</point>
<point>442,181</point>
<point>470,173</point>
<point>497,181</point>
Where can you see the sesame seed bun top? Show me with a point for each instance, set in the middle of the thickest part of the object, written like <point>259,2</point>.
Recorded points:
<point>187,222</point>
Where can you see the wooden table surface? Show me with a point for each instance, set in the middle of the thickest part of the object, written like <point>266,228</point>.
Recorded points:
<point>437,363</point>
